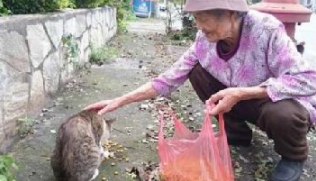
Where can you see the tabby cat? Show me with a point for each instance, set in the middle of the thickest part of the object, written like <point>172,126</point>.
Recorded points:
<point>78,151</point>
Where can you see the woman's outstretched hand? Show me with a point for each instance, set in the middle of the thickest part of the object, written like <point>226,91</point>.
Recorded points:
<point>144,92</point>
<point>104,106</point>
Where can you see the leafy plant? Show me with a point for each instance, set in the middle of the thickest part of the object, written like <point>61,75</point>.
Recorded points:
<point>35,6</point>
<point>3,11</point>
<point>7,163</point>
<point>100,55</point>
<point>123,12</point>
<point>25,126</point>
<point>62,4</point>
<point>71,49</point>
<point>31,6</point>
<point>88,3</point>
<point>123,7</point>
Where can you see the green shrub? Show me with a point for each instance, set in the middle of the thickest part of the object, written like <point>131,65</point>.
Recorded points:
<point>30,6</point>
<point>25,127</point>
<point>71,49</point>
<point>124,12</point>
<point>122,16</point>
<point>89,3</point>
<point>62,4</point>
<point>6,164</point>
<point>100,55</point>
<point>36,6</point>
<point>3,11</point>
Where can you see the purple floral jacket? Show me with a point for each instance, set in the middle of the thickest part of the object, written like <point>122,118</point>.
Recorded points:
<point>266,57</point>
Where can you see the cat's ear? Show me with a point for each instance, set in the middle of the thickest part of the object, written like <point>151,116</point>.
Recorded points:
<point>110,121</point>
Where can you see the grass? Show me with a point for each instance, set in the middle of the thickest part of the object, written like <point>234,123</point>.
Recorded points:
<point>99,55</point>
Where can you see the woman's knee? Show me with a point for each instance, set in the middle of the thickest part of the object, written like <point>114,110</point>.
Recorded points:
<point>284,115</point>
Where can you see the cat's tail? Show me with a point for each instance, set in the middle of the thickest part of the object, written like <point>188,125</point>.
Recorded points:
<point>56,159</point>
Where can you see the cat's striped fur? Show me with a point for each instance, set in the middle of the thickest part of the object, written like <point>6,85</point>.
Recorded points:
<point>77,154</point>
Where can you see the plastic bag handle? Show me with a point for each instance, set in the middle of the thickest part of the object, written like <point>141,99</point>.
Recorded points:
<point>160,131</point>
<point>208,119</point>
<point>220,118</point>
<point>221,124</point>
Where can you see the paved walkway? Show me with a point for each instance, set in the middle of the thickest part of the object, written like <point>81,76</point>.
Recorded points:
<point>307,32</point>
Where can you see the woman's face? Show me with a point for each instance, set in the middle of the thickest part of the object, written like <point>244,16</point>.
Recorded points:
<point>214,28</point>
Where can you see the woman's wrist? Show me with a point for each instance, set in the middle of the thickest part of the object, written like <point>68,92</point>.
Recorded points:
<point>253,93</point>
<point>121,101</point>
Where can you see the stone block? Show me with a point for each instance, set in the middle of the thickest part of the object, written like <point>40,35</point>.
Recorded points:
<point>111,19</point>
<point>51,72</point>
<point>9,134</point>
<point>88,20</point>
<point>67,73</point>
<point>37,98</point>
<point>107,15</point>
<point>39,44</point>
<point>85,40</point>
<point>95,39</point>
<point>15,100</point>
<point>81,25</point>
<point>101,35</point>
<point>4,78</point>
<point>14,92</point>
<point>3,148</point>
<point>75,26</point>
<point>70,27</point>
<point>55,31</point>
<point>83,46</point>
<point>1,114</point>
<point>95,16</point>
<point>13,50</point>
<point>87,54</point>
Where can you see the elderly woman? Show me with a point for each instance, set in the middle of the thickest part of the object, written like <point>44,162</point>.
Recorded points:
<point>244,62</point>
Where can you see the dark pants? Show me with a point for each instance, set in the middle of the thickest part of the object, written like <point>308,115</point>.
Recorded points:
<point>285,121</point>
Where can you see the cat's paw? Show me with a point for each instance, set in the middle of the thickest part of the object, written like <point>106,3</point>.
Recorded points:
<point>105,153</point>
<point>95,175</point>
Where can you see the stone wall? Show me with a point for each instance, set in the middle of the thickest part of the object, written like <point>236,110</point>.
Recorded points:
<point>35,59</point>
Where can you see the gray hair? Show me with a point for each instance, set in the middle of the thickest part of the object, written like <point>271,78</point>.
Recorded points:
<point>218,13</point>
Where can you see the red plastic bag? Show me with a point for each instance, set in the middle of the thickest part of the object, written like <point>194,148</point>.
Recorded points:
<point>189,156</point>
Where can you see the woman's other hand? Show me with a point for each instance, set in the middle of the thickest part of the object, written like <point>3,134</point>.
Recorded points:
<point>224,100</point>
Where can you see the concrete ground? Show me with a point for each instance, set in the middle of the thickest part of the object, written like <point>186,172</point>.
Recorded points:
<point>306,32</point>
<point>140,57</point>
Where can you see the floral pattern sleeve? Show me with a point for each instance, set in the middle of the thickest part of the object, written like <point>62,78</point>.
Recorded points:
<point>175,76</point>
<point>292,77</point>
